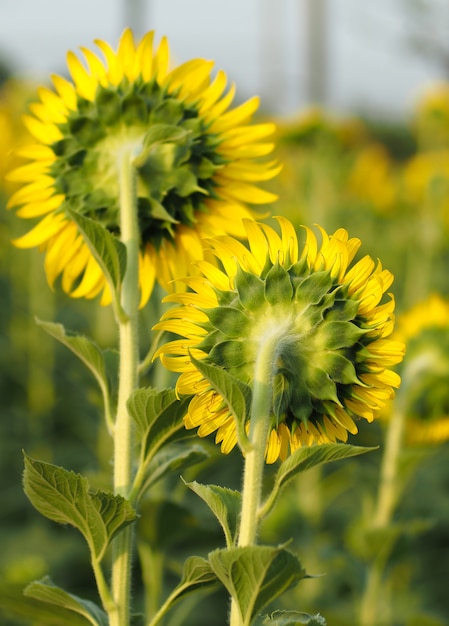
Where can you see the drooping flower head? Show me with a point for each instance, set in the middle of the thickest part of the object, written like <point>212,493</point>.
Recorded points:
<point>334,353</point>
<point>196,161</point>
<point>425,370</point>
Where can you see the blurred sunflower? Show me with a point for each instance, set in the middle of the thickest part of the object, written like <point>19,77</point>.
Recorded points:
<point>333,352</point>
<point>425,370</point>
<point>195,160</point>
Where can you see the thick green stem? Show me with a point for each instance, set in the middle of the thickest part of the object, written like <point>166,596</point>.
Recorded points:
<point>123,431</point>
<point>255,457</point>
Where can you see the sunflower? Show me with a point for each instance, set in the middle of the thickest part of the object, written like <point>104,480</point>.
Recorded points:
<point>196,161</point>
<point>333,352</point>
<point>425,370</point>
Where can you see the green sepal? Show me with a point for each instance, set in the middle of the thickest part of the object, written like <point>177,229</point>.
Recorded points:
<point>255,575</point>
<point>224,503</point>
<point>278,286</point>
<point>65,497</point>
<point>229,320</point>
<point>108,102</point>
<point>108,251</point>
<point>235,394</point>
<point>312,289</point>
<point>321,386</point>
<point>339,368</point>
<point>87,130</point>
<point>304,459</point>
<point>293,618</point>
<point>133,109</point>
<point>228,354</point>
<point>335,335</point>
<point>169,111</point>
<point>45,591</point>
<point>343,310</point>
<point>251,289</point>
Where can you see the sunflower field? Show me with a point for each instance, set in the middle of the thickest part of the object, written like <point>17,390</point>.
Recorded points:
<point>274,317</point>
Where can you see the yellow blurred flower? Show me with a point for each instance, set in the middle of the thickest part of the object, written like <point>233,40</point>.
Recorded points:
<point>333,356</point>
<point>372,178</point>
<point>196,161</point>
<point>425,370</point>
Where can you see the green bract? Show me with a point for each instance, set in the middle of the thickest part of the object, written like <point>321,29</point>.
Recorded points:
<point>175,157</point>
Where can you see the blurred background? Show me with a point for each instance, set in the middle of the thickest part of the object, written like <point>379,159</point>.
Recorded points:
<point>360,94</point>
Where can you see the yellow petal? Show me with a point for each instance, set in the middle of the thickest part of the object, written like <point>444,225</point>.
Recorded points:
<point>34,192</point>
<point>66,92</point>
<point>126,54</point>
<point>46,132</point>
<point>210,95</point>
<point>37,151</point>
<point>236,116</point>
<point>36,209</point>
<point>161,60</point>
<point>144,56</point>
<point>244,192</point>
<point>27,173</point>
<point>42,232</point>
<point>114,73</point>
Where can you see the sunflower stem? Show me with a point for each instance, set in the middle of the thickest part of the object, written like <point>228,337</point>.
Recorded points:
<point>386,501</point>
<point>128,380</point>
<point>255,457</point>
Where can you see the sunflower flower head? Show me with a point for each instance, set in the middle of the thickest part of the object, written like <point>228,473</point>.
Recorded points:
<point>333,355</point>
<point>425,370</point>
<point>196,161</point>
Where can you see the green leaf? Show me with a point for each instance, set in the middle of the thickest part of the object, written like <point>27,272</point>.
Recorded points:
<point>108,251</point>
<point>85,349</point>
<point>293,618</point>
<point>65,497</point>
<point>305,458</point>
<point>256,575</point>
<point>224,503</point>
<point>236,394</point>
<point>45,591</point>
<point>172,457</point>
<point>197,574</point>
<point>26,610</point>
<point>158,416</point>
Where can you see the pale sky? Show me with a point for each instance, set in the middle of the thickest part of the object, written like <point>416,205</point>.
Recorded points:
<point>261,44</point>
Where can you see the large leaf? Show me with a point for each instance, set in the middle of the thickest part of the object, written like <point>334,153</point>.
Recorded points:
<point>89,353</point>
<point>236,395</point>
<point>304,459</point>
<point>224,503</point>
<point>293,618</point>
<point>65,497</point>
<point>255,576</point>
<point>108,251</point>
<point>45,591</point>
